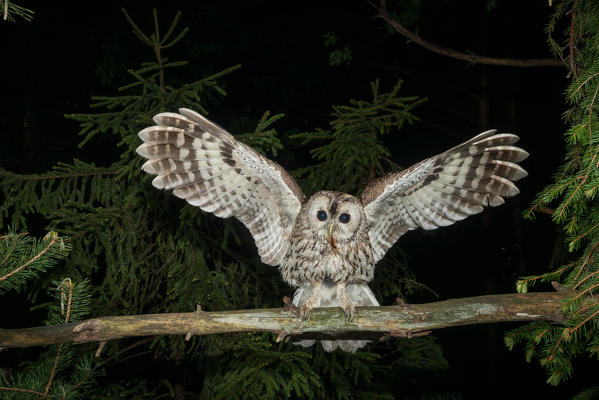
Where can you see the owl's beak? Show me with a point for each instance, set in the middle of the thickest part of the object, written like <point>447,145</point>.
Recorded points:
<point>331,229</point>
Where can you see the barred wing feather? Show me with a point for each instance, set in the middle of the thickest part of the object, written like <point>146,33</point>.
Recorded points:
<point>443,189</point>
<point>207,167</point>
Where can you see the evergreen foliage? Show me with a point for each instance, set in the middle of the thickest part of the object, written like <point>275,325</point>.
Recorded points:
<point>573,193</point>
<point>338,55</point>
<point>61,371</point>
<point>353,146</point>
<point>9,10</point>
<point>146,252</point>
<point>23,258</point>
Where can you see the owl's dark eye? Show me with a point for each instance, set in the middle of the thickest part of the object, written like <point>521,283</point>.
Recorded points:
<point>344,218</point>
<point>321,215</point>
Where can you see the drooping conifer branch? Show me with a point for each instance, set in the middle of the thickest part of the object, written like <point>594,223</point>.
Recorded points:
<point>369,322</point>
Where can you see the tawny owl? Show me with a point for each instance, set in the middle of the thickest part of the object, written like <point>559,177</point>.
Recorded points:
<point>325,246</point>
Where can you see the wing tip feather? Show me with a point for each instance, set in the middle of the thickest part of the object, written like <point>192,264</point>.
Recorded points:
<point>142,150</point>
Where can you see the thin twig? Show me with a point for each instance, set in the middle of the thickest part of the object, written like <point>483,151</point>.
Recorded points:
<point>53,372</point>
<point>41,178</point>
<point>571,40</point>
<point>585,321</point>
<point>69,285</point>
<point>545,210</point>
<point>587,290</point>
<point>9,252</point>
<point>584,308</point>
<point>586,175</point>
<point>390,162</point>
<point>2,237</point>
<point>577,238</point>
<point>584,279</point>
<point>13,389</point>
<point>81,382</point>
<point>416,283</point>
<point>100,348</point>
<point>130,347</point>
<point>555,274</point>
<point>134,355</point>
<point>587,259</point>
<point>557,345</point>
<point>470,57</point>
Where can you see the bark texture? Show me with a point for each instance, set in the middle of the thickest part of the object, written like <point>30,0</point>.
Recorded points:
<point>369,322</point>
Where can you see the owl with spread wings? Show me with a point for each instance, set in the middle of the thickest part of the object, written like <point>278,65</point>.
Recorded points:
<point>326,246</point>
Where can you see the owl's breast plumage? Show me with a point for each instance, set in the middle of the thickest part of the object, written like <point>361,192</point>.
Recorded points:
<point>318,260</point>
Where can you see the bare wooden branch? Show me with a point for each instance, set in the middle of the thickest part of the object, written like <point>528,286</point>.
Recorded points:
<point>369,322</point>
<point>469,57</point>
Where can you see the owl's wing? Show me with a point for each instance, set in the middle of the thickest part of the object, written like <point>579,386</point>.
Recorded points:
<point>443,189</point>
<point>206,166</point>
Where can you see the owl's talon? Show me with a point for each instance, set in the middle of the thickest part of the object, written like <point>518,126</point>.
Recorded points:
<point>295,310</point>
<point>345,302</point>
<point>349,308</point>
<point>312,302</point>
<point>304,312</point>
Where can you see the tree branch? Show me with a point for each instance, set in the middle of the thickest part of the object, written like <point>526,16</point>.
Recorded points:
<point>469,57</point>
<point>31,260</point>
<point>369,322</point>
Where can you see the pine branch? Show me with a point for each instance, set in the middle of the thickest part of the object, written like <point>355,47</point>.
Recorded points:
<point>10,10</point>
<point>369,322</point>
<point>23,258</point>
<point>53,240</point>
<point>470,57</point>
<point>66,283</point>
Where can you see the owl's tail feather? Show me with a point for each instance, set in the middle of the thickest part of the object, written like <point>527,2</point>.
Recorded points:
<point>357,292</point>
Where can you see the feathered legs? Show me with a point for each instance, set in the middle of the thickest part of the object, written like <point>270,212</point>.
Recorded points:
<point>313,301</point>
<point>317,297</point>
<point>344,301</point>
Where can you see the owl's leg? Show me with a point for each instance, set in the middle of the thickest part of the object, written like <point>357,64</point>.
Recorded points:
<point>345,302</point>
<point>313,301</point>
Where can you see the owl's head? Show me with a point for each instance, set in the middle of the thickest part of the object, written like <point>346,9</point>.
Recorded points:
<point>334,215</point>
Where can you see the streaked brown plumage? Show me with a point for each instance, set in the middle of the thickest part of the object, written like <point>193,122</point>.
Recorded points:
<point>325,246</point>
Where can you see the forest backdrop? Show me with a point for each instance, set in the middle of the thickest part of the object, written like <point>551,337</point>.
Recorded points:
<point>276,71</point>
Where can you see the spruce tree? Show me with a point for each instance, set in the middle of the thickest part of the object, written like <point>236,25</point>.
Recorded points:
<point>146,252</point>
<point>61,371</point>
<point>570,200</point>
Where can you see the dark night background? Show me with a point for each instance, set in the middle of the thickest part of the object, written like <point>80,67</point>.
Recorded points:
<point>68,53</point>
